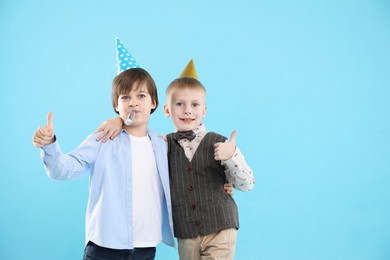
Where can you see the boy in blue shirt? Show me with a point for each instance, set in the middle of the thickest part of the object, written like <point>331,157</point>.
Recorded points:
<point>129,205</point>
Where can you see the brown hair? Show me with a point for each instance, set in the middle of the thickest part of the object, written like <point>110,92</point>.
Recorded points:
<point>132,79</point>
<point>184,83</point>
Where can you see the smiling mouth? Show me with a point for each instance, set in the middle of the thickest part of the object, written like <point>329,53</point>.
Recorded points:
<point>187,120</point>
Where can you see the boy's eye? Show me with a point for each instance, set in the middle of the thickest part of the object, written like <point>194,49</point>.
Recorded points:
<point>125,97</point>
<point>195,104</point>
<point>141,96</point>
<point>179,104</point>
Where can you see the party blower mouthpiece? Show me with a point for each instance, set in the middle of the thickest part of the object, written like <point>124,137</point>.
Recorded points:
<point>129,120</point>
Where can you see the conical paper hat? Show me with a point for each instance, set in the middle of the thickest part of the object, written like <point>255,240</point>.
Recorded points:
<point>189,71</point>
<point>124,60</point>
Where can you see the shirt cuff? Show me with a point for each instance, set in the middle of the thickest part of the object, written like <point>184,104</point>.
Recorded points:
<point>52,148</point>
<point>234,161</point>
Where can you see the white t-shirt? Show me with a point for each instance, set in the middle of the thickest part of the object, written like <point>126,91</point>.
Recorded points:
<point>147,194</point>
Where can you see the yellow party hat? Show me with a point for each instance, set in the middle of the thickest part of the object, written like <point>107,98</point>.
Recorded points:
<point>189,71</point>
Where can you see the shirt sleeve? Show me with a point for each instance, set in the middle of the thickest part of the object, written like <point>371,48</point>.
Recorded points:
<point>238,173</point>
<point>62,166</point>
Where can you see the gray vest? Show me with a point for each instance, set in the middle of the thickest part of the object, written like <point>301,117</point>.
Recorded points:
<point>200,205</point>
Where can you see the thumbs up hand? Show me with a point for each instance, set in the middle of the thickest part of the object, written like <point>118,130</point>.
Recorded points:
<point>225,151</point>
<point>44,135</point>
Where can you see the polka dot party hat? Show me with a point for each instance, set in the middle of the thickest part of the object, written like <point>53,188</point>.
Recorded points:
<point>189,71</point>
<point>124,60</point>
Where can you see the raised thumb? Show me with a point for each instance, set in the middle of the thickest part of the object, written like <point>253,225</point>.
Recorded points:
<point>50,120</point>
<point>233,137</point>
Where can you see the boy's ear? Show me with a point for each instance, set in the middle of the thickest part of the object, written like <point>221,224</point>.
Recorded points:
<point>204,111</point>
<point>166,110</point>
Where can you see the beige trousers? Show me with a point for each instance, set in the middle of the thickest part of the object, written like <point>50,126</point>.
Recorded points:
<point>215,246</point>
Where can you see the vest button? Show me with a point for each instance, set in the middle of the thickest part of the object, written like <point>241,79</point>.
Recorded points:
<point>193,206</point>
<point>190,188</point>
<point>189,168</point>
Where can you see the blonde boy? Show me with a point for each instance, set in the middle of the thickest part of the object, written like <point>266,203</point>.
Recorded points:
<point>200,162</point>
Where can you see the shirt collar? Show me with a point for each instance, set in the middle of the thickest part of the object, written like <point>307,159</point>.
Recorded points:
<point>201,128</point>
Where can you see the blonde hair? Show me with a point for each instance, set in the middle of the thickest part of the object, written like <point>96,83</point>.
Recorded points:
<point>184,83</point>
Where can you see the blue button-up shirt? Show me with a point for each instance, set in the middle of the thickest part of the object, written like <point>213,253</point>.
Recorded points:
<point>109,211</point>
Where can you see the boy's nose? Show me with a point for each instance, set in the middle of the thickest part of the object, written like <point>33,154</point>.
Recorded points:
<point>132,103</point>
<point>187,110</point>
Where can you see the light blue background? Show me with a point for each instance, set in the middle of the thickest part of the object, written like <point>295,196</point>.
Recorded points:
<point>311,80</point>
